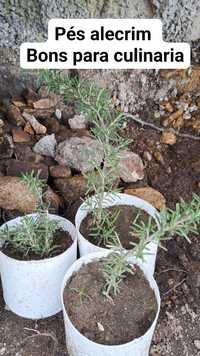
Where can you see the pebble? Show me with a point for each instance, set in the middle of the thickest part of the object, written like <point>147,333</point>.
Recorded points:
<point>78,122</point>
<point>58,114</point>
<point>131,167</point>
<point>147,156</point>
<point>157,114</point>
<point>150,195</point>
<point>197,344</point>
<point>187,116</point>
<point>168,138</point>
<point>1,123</point>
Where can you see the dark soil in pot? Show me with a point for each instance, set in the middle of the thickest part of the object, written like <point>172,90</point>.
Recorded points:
<point>123,223</point>
<point>109,321</point>
<point>62,241</point>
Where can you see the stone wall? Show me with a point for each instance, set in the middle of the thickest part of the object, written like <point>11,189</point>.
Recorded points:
<point>22,20</point>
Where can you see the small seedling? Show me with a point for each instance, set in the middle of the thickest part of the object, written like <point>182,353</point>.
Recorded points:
<point>81,292</point>
<point>31,235</point>
<point>182,221</point>
<point>103,231</point>
<point>105,122</point>
<point>115,269</point>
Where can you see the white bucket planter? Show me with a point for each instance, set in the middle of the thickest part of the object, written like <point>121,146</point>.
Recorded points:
<point>86,247</point>
<point>79,345</point>
<point>31,289</point>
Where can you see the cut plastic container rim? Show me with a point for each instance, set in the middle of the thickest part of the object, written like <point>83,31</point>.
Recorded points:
<point>97,256</point>
<point>44,260</point>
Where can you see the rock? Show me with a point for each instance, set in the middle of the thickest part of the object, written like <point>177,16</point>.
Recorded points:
<point>46,146</point>
<point>132,168</point>
<point>20,136</point>
<point>30,96</point>
<point>197,344</point>
<point>71,188</point>
<point>76,153</point>
<point>58,114</point>
<point>168,137</point>
<point>149,194</point>
<point>60,172</point>
<point>53,200</point>
<point>15,116</point>
<point>175,119</point>
<point>78,122</point>
<point>15,195</point>
<point>147,156</point>
<point>28,128</point>
<point>16,168</point>
<point>39,113</point>
<point>38,128</point>
<point>17,101</point>
<point>45,103</point>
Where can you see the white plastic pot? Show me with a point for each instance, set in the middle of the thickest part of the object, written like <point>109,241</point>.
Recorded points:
<point>79,345</point>
<point>86,247</point>
<point>31,289</point>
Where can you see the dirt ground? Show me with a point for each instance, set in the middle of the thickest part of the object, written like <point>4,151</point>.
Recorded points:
<point>177,273</point>
<point>174,172</point>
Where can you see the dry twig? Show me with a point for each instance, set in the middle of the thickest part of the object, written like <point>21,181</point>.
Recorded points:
<point>174,287</point>
<point>45,334</point>
<point>160,129</point>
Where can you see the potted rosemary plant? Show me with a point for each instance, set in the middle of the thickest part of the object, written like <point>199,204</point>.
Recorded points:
<point>105,212</point>
<point>36,250</point>
<point>111,302</point>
